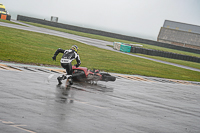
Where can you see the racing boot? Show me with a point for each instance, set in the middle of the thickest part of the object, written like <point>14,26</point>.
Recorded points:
<point>60,78</point>
<point>70,81</point>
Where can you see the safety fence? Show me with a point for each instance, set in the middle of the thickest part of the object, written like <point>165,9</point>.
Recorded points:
<point>107,34</point>
<point>136,49</point>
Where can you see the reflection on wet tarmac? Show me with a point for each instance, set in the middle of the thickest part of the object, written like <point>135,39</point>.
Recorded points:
<point>64,94</point>
<point>92,87</point>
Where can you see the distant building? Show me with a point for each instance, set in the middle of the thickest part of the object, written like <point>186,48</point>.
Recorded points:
<point>181,34</point>
<point>54,19</point>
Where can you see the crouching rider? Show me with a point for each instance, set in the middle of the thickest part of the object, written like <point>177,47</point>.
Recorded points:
<point>67,58</point>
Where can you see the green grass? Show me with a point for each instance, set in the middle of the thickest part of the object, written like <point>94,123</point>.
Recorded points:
<point>114,39</point>
<point>7,21</point>
<point>35,48</point>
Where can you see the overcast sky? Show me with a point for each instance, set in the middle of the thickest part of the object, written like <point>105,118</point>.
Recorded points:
<point>138,18</point>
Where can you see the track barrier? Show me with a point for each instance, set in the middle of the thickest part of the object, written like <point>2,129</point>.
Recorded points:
<point>107,34</point>
<point>135,49</point>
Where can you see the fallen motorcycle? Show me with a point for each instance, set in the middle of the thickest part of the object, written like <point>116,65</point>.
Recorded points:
<point>84,74</point>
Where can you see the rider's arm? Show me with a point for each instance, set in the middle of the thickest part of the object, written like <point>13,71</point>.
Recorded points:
<point>78,61</point>
<point>59,51</point>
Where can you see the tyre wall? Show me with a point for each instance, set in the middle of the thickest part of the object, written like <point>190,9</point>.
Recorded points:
<point>133,49</point>
<point>165,54</point>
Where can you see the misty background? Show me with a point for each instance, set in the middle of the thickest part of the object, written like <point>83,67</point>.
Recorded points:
<point>138,18</point>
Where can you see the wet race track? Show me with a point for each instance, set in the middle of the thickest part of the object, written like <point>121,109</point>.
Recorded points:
<point>31,102</point>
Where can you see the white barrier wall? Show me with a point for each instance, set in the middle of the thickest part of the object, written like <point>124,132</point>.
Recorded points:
<point>117,45</point>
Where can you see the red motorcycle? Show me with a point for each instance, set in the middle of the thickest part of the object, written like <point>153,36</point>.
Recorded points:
<point>83,74</point>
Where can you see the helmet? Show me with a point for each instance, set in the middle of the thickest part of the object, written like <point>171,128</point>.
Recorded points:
<point>75,48</point>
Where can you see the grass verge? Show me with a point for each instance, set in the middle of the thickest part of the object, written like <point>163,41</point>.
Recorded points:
<point>113,39</point>
<point>35,48</point>
<point>7,21</point>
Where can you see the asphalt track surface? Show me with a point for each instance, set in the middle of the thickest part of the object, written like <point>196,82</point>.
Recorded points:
<point>31,102</point>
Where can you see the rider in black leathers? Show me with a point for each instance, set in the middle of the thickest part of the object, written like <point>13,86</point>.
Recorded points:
<point>67,58</point>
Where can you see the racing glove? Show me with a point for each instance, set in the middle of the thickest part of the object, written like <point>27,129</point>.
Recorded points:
<point>54,58</point>
<point>77,65</point>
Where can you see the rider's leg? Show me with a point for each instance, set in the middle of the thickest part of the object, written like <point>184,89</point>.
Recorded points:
<point>69,73</point>
<point>63,77</point>
<point>60,78</point>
